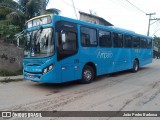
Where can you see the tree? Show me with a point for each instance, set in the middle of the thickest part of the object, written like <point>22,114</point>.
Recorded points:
<point>11,19</point>
<point>32,8</point>
<point>14,13</point>
<point>10,12</point>
<point>7,32</point>
<point>25,9</point>
<point>156,44</point>
<point>53,11</point>
<point>156,41</point>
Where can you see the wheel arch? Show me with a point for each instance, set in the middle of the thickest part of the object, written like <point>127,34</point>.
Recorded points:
<point>137,60</point>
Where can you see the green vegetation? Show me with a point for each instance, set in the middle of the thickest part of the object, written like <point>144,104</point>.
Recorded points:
<point>7,32</point>
<point>7,80</point>
<point>156,42</point>
<point>7,73</point>
<point>14,14</point>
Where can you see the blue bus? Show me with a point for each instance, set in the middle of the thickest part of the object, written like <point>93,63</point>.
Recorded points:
<point>60,49</point>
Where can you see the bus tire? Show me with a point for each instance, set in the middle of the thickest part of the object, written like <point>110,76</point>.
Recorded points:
<point>135,66</point>
<point>88,74</point>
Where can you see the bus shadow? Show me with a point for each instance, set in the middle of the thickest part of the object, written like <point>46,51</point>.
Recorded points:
<point>57,87</point>
<point>117,74</point>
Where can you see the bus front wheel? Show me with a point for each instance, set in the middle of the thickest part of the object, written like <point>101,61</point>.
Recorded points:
<point>135,66</point>
<point>88,74</point>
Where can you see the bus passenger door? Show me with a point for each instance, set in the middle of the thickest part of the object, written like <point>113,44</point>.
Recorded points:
<point>66,38</point>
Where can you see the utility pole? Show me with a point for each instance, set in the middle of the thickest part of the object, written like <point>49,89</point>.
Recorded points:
<point>74,9</point>
<point>150,15</point>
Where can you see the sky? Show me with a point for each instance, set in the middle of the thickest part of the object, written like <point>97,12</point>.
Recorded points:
<point>126,14</point>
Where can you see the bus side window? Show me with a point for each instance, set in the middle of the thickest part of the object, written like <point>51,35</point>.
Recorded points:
<point>149,43</point>
<point>143,43</point>
<point>88,37</point>
<point>105,39</point>
<point>85,39</point>
<point>127,41</point>
<point>136,42</point>
<point>117,40</point>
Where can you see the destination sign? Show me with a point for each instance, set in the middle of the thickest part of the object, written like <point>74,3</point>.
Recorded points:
<point>39,21</point>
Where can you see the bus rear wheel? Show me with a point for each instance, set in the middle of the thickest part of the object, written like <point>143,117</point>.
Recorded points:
<point>135,66</point>
<point>88,75</point>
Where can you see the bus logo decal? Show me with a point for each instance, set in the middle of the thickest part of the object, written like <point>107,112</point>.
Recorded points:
<point>104,54</point>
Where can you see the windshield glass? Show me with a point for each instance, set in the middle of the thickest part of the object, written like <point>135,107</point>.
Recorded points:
<point>39,43</point>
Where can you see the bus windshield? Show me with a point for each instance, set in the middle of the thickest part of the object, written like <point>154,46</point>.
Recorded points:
<point>39,43</point>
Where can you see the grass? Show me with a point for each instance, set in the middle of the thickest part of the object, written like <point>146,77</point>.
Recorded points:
<point>7,80</point>
<point>7,73</point>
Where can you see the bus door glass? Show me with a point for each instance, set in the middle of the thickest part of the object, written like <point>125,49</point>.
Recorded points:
<point>67,47</point>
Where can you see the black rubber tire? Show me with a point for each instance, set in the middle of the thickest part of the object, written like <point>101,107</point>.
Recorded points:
<point>88,75</point>
<point>135,66</point>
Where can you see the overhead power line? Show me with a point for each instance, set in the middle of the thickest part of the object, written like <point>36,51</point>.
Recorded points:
<point>122,4</point>
<point>155,22</point>
<point>136,7</point>
<point>69,4</point>
<point>156,31</point>
<point>127,6</point>
<point>156,28</point>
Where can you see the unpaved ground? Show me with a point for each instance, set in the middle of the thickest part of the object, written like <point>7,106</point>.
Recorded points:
<point>124,91</point>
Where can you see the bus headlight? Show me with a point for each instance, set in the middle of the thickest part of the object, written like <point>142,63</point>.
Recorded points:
<point>50,67</point>
<point>47,69</point>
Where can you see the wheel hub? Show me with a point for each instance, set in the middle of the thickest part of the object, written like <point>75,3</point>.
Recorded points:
<point>87,75</point>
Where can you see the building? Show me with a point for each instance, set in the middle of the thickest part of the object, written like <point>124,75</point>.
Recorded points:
<point>93,19</point>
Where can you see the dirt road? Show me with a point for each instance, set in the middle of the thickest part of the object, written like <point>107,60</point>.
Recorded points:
<point>124,91</point>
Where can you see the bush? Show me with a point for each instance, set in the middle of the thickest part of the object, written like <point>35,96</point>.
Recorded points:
<point>7,73</point>
<point>7,32</point>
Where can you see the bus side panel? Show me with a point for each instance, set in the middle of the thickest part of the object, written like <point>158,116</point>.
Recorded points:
<point>149,56</point>
<point>146,56</point>
<point>128,58</point>
<point>105,58</point>
<point>143,57</point>
<point>121,59</point>
<point>136,54</point>
<point>89,55</point>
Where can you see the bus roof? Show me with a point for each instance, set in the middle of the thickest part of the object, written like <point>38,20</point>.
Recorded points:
<point>110,28</point>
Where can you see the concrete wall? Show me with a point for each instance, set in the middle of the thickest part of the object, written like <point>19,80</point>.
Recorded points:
<point>94,19</point>
<point>10,57</point>
<point>89,19</point>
